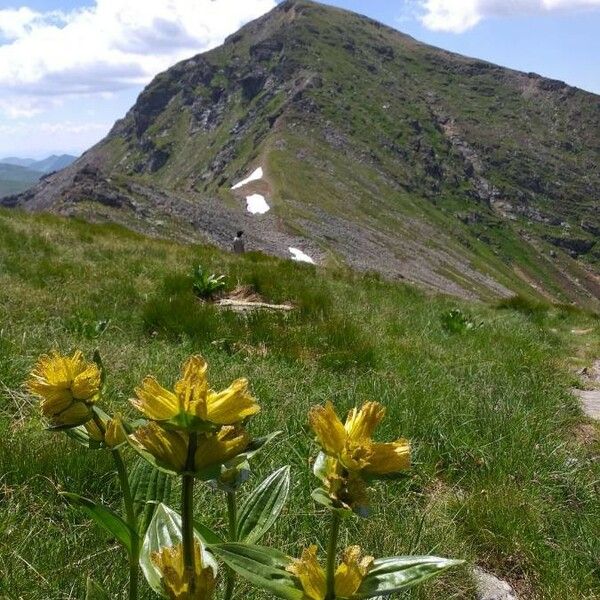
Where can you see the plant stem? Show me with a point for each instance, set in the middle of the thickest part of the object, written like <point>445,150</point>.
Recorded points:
<point>134,555</point>
<point>232,519</point>
<point>331,554</point>
<point>232,516</point>
<point>187,511</point>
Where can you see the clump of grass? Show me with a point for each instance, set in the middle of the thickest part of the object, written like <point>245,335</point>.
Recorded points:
<point>206,285</point>
<point>456,321</point>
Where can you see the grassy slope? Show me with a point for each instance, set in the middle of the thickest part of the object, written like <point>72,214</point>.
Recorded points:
<point>497,479</point>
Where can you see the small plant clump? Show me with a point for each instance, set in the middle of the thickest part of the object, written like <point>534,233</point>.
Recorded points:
<point>194,433</point>
<point>205,286</point>
<point>456,321</point>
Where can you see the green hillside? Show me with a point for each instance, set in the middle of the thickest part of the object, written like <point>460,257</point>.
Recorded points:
<point>503,475</point>
<point>15,179</point>
<point>378,152</point>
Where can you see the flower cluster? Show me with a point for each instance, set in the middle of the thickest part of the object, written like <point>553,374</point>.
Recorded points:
<point>194,432</point>
<point>193,428</point>
<point>350,458</point>
<point>68,387</point>
<point>348,575</point>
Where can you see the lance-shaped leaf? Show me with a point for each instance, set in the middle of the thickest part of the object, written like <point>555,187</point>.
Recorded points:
<point>164,531</point>
<point>94,591</point>
<point>263,567</point>
<point>395,573</point>
<point>105,517</point>
<point>206,534</point>
<point>148,487</point>
<point>262,507</point>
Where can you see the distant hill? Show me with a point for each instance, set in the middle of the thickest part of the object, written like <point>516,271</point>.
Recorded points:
<point>53,163</point>
<point>362,147</point>
<point>15,179</point>
<point>46,165</point>
<point>18,162</point>
<point>19,174</point>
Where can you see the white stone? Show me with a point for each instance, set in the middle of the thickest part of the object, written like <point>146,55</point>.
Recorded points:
<point>256,204</point>
<point>300,256</point>
<point>257,174</point>
<point>489,587</point>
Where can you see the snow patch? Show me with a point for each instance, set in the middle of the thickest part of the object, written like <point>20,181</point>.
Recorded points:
<point>258,174</point>
<point>300,256</point>
<point>256,204</point>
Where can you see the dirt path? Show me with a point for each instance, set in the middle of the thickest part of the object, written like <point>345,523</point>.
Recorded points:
<point>590,397</point>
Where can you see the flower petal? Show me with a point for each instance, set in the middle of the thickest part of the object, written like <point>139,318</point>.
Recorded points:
<point>389,458</point>
<point>77,414</point>
<point>361,423</point>
<point>218,448</point>
<point>328,428</point>
<point>86,384</point>
<point>351,571</point>
<point>155,401</point>
<point>232,405</point>
<point>310,573</point>
<point>167,446</point>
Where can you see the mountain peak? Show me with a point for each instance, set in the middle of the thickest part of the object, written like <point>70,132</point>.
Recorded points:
<point>375,150</point>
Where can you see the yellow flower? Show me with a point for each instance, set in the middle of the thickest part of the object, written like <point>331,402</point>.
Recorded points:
<point>346,489</point>
<point>115,433</point>
<point>112,432</point>
<point>171,447</point>
<point>67,385</point>
<point>180,584</point>
<point>193,399</point>
<point>347,578</point>
<point>351,443</point>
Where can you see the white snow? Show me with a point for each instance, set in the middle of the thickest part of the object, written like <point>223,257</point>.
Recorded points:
<point>258,174</point>
<point>256,204</point>
<point>301,256</point>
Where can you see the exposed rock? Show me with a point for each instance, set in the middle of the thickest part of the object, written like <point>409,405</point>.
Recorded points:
<point>576,246</point>
<point>489,587</point>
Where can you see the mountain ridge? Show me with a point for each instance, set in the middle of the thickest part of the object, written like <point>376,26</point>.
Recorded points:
<point>378,151</point>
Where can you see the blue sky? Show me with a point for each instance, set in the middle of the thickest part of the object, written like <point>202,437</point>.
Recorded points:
<point>70,68</point>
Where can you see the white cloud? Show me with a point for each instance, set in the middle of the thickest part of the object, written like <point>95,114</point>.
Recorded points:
<point>114,45</point>
<point>457,16</point>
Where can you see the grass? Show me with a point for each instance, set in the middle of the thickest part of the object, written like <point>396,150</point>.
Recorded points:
<point>498,476</point>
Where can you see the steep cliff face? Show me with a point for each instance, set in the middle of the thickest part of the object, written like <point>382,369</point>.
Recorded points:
<point>375,150</point>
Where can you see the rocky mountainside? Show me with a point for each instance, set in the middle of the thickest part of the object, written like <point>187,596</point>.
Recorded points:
<point>361,146</point>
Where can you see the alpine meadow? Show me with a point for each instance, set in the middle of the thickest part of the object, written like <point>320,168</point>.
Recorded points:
<point>316,320</point>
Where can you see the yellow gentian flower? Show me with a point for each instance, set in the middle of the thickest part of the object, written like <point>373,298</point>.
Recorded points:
<point>192,399</point>
<point>351,443</point>
<point>170,447</point>
<point>178,583</point>
<point>348,576</point>
<point>112,432</point>
<point>67,385</point>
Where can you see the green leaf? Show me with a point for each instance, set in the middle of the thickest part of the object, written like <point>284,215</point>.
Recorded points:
<point>81,436</point>
<point>389,575</point>
<point>98,360</point>
<point>206,534</point>
<point>320,496</point>
<point>148,487</point>
<point>263,567</point>
<point>94,591</point>
<point>105,517</point>
<point>164,531</point>
<point>263,506</point>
